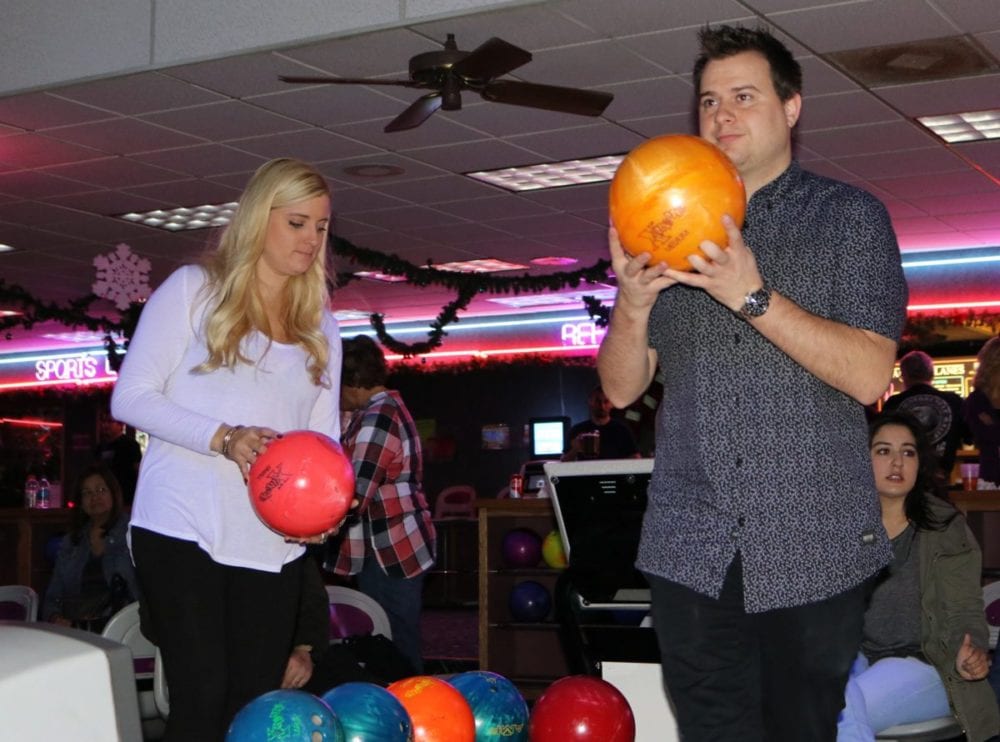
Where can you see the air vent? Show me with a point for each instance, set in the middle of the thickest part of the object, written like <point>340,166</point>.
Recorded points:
<point>916,61</point>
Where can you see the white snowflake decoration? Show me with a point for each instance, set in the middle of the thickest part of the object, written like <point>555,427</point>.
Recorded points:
<point>122,276</point>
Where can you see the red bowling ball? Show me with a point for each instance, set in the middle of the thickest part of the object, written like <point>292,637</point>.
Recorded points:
<point>581,708</point>
<point>302,485</point>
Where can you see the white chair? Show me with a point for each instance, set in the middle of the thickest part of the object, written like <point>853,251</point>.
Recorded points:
<point>123,627</point>
<point>355,600</point>
<point>991,595</point>
<point>457,501</point>
<point>24,601</point>
<point>932,730</point>
<point>160,695</point>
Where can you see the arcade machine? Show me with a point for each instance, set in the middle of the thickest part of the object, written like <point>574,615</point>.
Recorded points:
<point>548,437</point>
<point>602,600</point>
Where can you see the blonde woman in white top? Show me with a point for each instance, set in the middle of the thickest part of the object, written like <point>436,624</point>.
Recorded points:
<point>226,357</point>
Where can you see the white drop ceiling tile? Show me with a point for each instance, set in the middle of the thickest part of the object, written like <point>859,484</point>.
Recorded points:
<point>114,172</point>
<point>991,41</point>
<point>399,168</point>
<point>135,94</point>
<point>438,190</point>
<point>970,222</point>
<point>580,142</point>
<point>901,163</point>
<point>242,75</point>
<point>123,136</point>
<point>36,111</point>
<point>654,126</point>
<point>383,54</point>
<point>35,150</point>
<point>600,63</point>
<point>493,208</point>
<point>223,121</point>
<point>820,78</point>
<point>310,145</point>
<point>106,202</point>
<point>919,225</point>
<point>36,184</point>
<point>572,198</point>
<point>829,170</point>
<point>404,217</point>
<point>944,96</point>
<point>916,243</point>
<point>878,137</point>
<point>972,14</point>
<point>502,120</point>
<point>347,200</point>
<point>968,203</point>
<point>540,226</point>
<point>203,160</point>
<point>532,27</point>
<point>901,209</point>
<point>332,105</point>
<point>843,109</point>
<point>473,156</point>
<point>639,16</point>
<point>942,184</point>
<point>441,128</point>
<point>188,193</point>
<point>463,234</point>
<point>985,154</point>
<point>653,97</point>
<point>859,25</point>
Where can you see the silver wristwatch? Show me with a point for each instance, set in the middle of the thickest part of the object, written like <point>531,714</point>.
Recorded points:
<point>756,303</point>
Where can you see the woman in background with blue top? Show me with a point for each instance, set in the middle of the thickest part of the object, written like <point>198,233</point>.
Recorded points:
<point>227,356</point>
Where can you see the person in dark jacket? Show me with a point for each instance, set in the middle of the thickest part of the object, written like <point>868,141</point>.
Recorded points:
<point>925,648</point>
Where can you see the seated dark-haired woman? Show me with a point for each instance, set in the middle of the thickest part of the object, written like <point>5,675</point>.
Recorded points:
<point>93,574</point>
<point>924,652</point>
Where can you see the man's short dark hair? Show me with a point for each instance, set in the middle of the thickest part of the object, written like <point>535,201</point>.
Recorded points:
<point>916,366</point>
<point>719,42</point>
<point>364,365</point>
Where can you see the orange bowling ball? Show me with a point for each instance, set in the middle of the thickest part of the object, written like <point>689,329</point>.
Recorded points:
<point>669,195</point>
<point>302,485</point>
<point>438,711</point>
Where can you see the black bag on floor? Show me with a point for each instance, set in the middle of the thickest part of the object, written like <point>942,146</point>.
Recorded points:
<point>368,659</point>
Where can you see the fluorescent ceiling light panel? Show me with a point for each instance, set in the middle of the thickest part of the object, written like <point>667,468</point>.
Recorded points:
<point>551,174</point>
<point>541,300</point>
<point>346,315</point>
<point>489,265</point>
<point>184,217</point>
<point>964,127</point>
<point>377,276</point>
<point>5,248</point>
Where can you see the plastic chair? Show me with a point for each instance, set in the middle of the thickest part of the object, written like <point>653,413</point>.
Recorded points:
<point>456,501</point>
<point>991,603</point>
<point>18,603</point>
<point>160,695</point>
<point>123,627</point>
<point>932,730</point>
<point>352,613</point>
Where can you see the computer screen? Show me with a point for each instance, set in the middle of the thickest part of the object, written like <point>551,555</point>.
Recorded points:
<point>548,436</point>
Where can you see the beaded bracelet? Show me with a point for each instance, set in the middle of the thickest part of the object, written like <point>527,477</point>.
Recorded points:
<point>227,438</point>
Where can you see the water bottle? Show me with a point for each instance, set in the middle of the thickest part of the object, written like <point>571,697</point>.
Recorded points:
<point>42,500</point>
<point>30,491</point>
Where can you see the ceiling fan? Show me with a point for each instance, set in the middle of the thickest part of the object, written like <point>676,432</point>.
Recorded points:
<point>448,72</point>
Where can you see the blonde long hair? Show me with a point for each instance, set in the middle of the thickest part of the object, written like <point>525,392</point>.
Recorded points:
<point>987,378</point>
<point>237,307</point>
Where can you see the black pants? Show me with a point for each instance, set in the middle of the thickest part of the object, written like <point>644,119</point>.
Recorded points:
<point>777,676</point>
<point>224,633</point>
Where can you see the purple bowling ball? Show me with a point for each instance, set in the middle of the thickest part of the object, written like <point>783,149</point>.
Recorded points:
<point>521,548</point>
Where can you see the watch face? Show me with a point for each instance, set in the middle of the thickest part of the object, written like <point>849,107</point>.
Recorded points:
<point>756,303</point>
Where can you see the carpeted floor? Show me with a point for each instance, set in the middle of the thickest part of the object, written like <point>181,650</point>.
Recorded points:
<point>451,635</point>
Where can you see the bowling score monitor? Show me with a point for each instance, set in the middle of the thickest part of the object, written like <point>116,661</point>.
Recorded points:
<point>548,437</point>
<point>599,506</point>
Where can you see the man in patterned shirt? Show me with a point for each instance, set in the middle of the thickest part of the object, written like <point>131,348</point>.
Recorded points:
<point>390,540</point>
<point>762,530</point>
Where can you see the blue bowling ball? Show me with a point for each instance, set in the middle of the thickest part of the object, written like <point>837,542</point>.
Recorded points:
<point>285,716</point>
<point>498,707</point>
<point>369,713</point>
<point>529,601</point>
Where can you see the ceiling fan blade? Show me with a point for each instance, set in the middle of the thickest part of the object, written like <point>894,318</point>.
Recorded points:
<point>547,97</point>
<point>416,114</point>
<point>347,81</point>
<point>493,58</point>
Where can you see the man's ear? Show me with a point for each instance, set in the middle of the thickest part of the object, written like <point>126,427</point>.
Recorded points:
<point>793,108</point>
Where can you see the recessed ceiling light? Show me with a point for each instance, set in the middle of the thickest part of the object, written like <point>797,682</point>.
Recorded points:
<point>489,265</point>
<point>554,260</point>
<point>373,170</point>
<point>10,313</point>
<point>552,174</point>
<point>184,217</point>
<point>964,127</point>
<point>376,276</point>
<point>6,248</point>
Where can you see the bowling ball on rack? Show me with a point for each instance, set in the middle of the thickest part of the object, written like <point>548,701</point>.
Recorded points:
<point>285,715</point>
<point>553,552</point>
<point>582,708</point>
<point>521,548</point>
<point>369,713</point>
<point>669,195</point>
<point>302,485</point>
<point>529,601</point>
<point>438,712</point>
<point>500,711</point>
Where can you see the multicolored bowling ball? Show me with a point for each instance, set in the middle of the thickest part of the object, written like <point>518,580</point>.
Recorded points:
<point>521,548</point>
<point>302,485</point>
<point>553,552</point>
<point>581,708</point>
<point>500,711</point>
<point>285,716</point>
<point>369,713</point>
<point>529,601</point>
<point>669,195</point>
<point>437,711</point>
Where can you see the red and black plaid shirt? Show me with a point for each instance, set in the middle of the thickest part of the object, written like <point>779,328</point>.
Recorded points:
<point>392,521</point>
